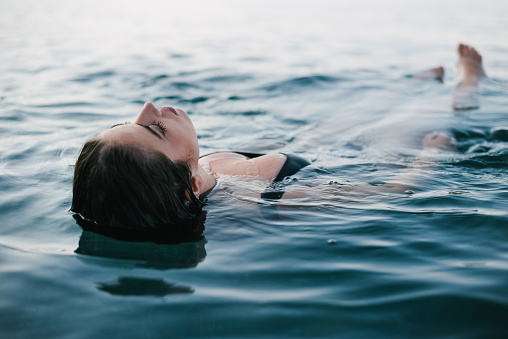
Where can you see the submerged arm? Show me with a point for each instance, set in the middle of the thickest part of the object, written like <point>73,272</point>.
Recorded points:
<point>405,182</point>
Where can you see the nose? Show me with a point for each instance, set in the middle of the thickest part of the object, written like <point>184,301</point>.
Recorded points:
<point>149,112</point>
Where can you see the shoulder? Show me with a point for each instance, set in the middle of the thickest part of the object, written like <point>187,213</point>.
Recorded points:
<point>222,155</point>
<point>262,167</point>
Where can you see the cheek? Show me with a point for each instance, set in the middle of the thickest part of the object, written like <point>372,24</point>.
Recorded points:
<point>182,148</point>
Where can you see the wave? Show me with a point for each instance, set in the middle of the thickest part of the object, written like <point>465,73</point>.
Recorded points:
<point>313,81</point>
<point>93,76</point>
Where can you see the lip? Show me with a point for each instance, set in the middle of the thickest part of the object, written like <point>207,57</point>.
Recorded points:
<point>171,109</point>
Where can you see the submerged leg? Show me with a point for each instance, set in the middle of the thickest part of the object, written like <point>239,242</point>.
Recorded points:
<point>470,63</point>
<point>434,73</point>
<point>439,141</point>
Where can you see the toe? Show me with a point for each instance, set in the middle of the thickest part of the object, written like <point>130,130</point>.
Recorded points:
<point>467,51</point>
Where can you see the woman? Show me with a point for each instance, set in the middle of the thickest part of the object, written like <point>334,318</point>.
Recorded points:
<point>147,177</point>
<point>146,181</point>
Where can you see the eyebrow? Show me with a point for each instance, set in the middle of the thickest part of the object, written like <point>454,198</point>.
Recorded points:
<point>124,123</point>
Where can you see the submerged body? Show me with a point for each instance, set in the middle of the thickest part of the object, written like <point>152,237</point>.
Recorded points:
<point>149,175</point>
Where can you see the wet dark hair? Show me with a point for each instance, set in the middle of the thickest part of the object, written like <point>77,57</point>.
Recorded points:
<point>130,193</point>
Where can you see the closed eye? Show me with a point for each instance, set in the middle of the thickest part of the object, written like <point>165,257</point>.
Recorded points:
<point>151,130</point>
<point>161,126</point>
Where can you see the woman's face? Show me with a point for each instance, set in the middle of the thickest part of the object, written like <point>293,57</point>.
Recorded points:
<point>164,129</point>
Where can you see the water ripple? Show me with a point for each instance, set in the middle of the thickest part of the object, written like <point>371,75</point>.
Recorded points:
<point>313,81</point>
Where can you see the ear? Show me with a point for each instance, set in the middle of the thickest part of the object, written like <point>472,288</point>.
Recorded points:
<point>197,183</point>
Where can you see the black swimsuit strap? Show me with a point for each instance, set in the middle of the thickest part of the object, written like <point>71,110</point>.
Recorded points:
<point>292,165</point>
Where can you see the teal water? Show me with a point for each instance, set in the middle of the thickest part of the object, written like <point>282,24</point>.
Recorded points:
<point>324,79</point>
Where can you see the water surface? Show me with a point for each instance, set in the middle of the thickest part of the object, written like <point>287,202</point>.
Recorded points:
<point>323,79</point>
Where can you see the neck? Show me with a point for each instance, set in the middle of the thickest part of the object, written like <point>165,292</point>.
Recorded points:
<point>209,180</point>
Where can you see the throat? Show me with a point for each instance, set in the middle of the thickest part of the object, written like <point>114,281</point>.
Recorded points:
<point>209,181</point>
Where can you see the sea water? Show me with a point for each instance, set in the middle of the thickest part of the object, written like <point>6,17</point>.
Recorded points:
<point>327,80</point>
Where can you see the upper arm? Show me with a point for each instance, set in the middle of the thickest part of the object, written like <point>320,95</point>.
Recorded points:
<point>269,165</point>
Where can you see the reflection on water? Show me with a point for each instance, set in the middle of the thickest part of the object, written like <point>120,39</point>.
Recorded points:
<point>140,254</point>
<point>187,230</point>
<point>136,286</point>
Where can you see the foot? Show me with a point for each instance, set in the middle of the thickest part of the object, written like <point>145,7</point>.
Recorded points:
<point>470,61</point>
<point>434,73</point>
